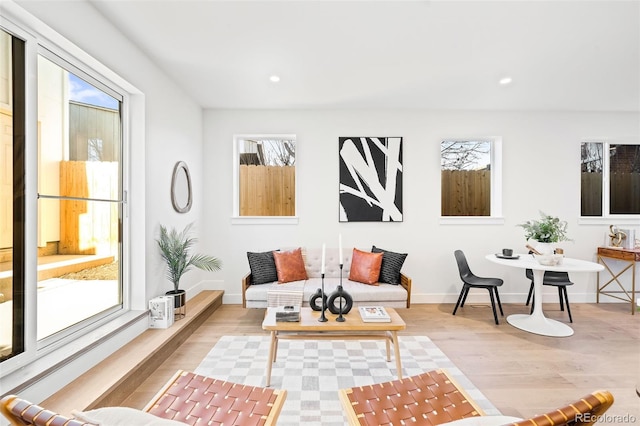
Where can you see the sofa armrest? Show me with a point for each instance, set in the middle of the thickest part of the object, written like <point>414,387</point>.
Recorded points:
<point>405,282</point>
<point>246,282</point>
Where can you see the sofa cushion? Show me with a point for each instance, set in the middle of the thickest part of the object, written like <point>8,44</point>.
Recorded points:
<point>263,267</point>
<point>391,265</point>
<point>365,267</point>
<point>290,265</point>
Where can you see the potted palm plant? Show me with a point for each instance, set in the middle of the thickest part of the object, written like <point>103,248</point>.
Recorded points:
<point>175,247</point>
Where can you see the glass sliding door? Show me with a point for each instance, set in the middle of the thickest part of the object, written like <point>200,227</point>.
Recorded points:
<point>79,198</point>
<point>11,196</point>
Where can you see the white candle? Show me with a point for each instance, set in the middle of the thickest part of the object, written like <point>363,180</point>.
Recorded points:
<point>340,247</point>
<point>322,268</point>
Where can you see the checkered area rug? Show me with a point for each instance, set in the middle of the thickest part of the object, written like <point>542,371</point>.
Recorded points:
<point>312,371</point>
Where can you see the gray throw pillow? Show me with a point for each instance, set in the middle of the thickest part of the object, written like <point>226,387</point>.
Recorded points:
<point>263,267</point>
<point>391,265</point>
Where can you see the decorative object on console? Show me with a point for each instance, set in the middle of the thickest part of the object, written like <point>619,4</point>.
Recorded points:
<point>548,229</point>
<point>370,179</point>
<point>290,265</point>
<point>624,238</point>
<point>175,250</point>
<point>365,267</point>
<point>391,265</point>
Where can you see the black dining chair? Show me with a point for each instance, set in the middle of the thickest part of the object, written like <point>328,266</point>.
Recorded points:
<point>470,281</point>
<point>556,279</point>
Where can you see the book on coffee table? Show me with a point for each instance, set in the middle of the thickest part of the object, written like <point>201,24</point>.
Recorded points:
<point>289,313</point>
<point>374,314</point>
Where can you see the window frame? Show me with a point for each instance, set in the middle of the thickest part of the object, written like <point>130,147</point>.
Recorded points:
<point>495,217</point>
<point>236,219</point>
<point>38,356</point>
<point>607,217</point>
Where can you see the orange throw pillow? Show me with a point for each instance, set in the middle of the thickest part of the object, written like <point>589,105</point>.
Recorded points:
<point>290,265</point>
<point>365,267</point>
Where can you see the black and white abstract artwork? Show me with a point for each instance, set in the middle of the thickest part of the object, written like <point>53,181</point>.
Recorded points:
<point>370,179</point>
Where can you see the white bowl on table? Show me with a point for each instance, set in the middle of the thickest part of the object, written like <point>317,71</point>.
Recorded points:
<point>549,259</point>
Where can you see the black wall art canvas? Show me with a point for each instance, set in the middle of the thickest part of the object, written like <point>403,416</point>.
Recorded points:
<point>370,179</point>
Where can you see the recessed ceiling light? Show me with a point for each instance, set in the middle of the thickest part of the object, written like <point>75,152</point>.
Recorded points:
<point>505,80</point>
<point>274,78</point>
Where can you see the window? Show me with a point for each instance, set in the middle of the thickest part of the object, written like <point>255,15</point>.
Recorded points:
<point>61,238</point>
<point>79,146</point>
<point>610,179</point>
<point>264,178</point>
<point>470,178</point>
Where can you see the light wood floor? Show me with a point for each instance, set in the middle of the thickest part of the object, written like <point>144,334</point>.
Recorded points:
<point>522,374</point>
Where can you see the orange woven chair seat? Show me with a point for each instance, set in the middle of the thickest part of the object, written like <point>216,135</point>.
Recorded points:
<point>187,398</point>
<point>585,411</point>
<point>430,398</point>
<point>190,398</point>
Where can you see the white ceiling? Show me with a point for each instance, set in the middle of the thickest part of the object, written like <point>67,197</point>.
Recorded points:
<point>561,55</point>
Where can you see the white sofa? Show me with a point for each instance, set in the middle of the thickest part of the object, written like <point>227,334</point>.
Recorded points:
<point>390,295</point>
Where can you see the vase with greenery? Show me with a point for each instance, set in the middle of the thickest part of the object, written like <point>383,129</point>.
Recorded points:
<point>175,249</point>
<point>548,229</point>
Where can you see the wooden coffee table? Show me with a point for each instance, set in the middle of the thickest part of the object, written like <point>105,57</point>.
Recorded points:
<point>309,328</point>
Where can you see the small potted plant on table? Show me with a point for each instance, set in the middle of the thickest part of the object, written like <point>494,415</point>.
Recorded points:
<point>545,232</point>
<point>175,247</point>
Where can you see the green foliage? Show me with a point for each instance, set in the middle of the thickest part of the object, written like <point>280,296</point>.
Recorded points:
<point>547,230</point>
<point>174,249</point>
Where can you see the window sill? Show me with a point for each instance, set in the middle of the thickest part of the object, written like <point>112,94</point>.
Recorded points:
<point>610,220</point>
<point>264,220</point>
<point>471,220</point>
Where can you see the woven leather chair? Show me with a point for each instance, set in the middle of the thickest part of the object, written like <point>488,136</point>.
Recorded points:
<point>21,412</point>
<point>186,398</point>
<point>431,398</point>
<point>470,280</point>
<point>189,397</point>
<point>585,411</point>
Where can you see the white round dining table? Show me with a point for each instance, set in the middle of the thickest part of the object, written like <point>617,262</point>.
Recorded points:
<point>537,323</point>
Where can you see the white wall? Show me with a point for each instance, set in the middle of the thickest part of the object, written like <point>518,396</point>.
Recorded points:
<point>541,152</point>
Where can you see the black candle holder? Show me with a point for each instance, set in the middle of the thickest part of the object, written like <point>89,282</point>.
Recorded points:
<point>340,317</point>
<point>323,318</point>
